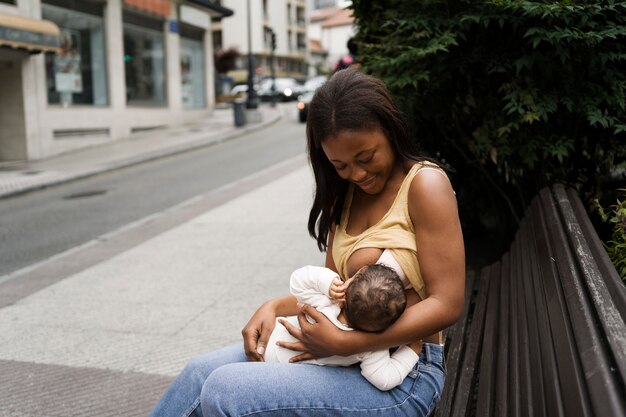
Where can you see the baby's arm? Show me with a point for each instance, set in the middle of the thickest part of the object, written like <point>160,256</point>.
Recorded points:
<point>311,284</point>
<point>386,371</point>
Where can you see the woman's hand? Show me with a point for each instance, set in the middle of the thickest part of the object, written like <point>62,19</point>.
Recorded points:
<point>316,340</point>
<point>257,332</point>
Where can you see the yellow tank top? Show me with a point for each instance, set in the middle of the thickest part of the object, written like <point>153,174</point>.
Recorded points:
<point>394,231</point>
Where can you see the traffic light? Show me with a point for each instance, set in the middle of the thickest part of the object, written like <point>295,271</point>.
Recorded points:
<point>273,41</point>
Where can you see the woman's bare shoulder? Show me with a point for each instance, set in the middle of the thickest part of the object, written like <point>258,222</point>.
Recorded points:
<point>431,195</point>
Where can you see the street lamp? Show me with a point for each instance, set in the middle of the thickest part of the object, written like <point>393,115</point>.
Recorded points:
<point>251,102</point>
<point>272,72</point>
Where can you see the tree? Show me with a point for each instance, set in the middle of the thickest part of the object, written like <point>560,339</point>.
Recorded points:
<point>515,95</point>
<point>226,60</point>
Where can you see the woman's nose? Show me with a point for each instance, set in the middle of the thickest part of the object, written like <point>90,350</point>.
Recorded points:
<point>357,174</point>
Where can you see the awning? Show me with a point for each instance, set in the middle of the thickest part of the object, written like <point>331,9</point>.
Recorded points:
<point>33,35</point>
<point>216,10</point>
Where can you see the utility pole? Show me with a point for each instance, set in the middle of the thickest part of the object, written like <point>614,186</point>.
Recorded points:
<point>273,74</point>
<point>251,102</point>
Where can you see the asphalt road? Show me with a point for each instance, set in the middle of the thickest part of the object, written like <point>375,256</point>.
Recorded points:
<point>36,226</point>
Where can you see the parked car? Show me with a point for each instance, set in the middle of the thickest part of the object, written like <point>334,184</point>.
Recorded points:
<point>304,100</point>
<point>313,83</point>
<point>287,89</point>
<point>303,105</point>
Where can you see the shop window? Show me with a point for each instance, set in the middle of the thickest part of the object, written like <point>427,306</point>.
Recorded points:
<point>192,73</point>
<point>217,40</point>
<point>192,66</point>
<point>144,63</point>
<point>77,75</point>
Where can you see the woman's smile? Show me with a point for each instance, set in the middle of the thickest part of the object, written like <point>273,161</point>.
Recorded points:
<point>367,184</point>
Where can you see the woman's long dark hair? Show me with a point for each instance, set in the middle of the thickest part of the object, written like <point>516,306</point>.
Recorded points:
<point>349,100</point>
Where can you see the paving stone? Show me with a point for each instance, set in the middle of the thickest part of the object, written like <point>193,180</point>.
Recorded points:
<point>31,389</point>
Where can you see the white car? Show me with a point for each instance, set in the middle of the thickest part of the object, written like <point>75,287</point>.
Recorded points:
<point>287,89</point>
<point>313,84</point>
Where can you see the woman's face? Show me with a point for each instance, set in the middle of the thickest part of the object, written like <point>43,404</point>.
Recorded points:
<point>364,158</point>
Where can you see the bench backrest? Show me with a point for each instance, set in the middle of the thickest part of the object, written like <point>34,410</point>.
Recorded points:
<point>543,332</point>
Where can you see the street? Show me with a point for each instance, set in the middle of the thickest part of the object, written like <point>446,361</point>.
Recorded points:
<point>170,261</point>
<point>36,226</point>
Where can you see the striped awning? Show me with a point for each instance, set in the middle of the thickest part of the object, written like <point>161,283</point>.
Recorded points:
<point>32,35</point>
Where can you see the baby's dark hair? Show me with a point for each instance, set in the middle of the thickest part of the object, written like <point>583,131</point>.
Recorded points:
<point>375,299</point>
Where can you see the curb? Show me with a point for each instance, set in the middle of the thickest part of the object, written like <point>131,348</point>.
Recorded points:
<point>138,159</point>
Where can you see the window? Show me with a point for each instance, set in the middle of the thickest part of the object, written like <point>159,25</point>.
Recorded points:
<point>192,73</point>
<point>78,74</point>
<point>217,40</point>
<point>144,63</point>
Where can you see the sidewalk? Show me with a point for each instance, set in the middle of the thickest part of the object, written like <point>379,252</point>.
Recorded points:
<point>19,177</point>
<point>102,329</point>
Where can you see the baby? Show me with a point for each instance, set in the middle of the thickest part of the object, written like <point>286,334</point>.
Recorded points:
<point>371,301</point>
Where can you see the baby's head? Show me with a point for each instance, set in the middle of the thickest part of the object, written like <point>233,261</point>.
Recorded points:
<point>375,299</point>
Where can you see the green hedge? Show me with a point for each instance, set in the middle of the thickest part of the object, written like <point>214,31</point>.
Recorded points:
<point>514,95</point>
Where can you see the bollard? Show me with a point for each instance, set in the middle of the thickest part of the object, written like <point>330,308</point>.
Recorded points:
<point>239,107</point>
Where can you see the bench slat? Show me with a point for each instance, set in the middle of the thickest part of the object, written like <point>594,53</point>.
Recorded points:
<point>612,323</point>
<point>534,314</point>
<point>502,354</point>
<point>471,355</point>
<point>486,376</point>
<point>547,380</point>
<point>528,365</point>
<point>455,347</point>
<point>575,401</point>
<point>587,298</point>
<point>515,409</point>
<point>609,274</point>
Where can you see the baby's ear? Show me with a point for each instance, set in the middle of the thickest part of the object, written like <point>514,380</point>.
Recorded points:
<point>361,269</point>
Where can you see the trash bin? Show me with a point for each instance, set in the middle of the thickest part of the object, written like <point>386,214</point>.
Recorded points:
<point>239,107</point>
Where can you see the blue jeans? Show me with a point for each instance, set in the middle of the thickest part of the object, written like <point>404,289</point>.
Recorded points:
<point>224,383</point>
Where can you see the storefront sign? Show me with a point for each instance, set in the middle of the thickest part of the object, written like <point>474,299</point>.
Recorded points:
<point>194,17</point>
<point>158,7</point>
<point>68,83</point>
<point>173,25</point>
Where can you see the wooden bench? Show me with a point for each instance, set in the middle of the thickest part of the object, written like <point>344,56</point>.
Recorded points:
<point>543,330</point>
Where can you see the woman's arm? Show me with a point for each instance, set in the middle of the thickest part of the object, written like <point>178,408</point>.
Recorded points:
<point>257,331</point>
<point>433,210</point>
<point>440,248</point>
<point>441,256</point>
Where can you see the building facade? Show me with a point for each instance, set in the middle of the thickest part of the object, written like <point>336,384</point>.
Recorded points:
<point>111,68</point>
<point>330,28</point>
<point>286,18</point>
<point>317,58</point>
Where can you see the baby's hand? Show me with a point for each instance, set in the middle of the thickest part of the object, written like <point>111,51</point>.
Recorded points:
<point>337,290</point>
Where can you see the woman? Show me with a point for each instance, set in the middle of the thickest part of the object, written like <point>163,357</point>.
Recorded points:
<point>373,192</point>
